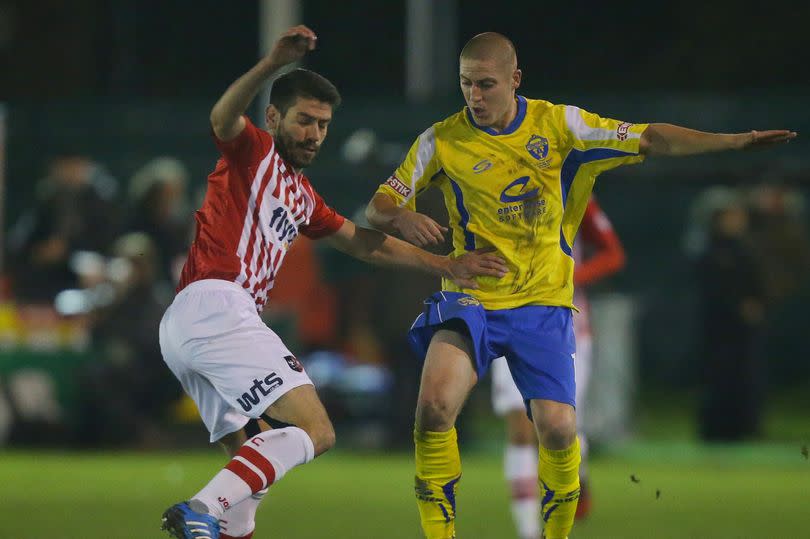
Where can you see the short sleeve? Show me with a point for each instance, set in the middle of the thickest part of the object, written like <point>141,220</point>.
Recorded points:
<point>415,173</point>
<point>601,143</point>
<point>324,220</point>
<point>249,142</point>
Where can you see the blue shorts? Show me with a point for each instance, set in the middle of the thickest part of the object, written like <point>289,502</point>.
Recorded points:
<point>537,341</point>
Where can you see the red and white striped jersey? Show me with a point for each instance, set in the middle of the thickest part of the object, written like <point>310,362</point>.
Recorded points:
<point>255,206</point>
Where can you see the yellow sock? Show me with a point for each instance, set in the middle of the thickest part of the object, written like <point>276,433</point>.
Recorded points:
<point>559,489</point>
<point>438,471</point>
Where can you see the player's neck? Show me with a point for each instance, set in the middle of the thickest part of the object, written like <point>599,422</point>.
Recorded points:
<point>507,118</point>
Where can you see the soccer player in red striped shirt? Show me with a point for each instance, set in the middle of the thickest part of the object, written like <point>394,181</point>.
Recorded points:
<point>232,365</point>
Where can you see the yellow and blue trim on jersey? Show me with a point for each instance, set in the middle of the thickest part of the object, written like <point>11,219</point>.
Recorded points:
<point>509,129</point>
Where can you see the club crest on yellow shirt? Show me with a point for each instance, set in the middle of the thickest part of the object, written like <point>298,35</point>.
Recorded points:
<point>537,147</point>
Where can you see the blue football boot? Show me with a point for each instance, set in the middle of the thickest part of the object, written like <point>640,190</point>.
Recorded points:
<point>183,522</point>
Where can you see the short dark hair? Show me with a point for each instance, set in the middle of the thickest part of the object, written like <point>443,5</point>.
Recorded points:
<point>302,83</point>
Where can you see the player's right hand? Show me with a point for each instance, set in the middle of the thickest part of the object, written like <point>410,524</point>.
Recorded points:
<point>292,45</point>
<point>419,229</point>
<point>481,262</point>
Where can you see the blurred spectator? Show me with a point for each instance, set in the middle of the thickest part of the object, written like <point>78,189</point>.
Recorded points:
<point>731,314</point>
<point>159,208</point>
<point>126,390</point>
<point>780,240</point>
<point>74,211</point>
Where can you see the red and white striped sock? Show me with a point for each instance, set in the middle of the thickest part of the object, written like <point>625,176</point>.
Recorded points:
<point>260,462</point>
<point>520,469</point>
<point>239,521</point>
<point>223,535</point>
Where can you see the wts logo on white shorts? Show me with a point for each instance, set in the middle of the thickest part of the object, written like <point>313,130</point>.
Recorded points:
<point>251,397</point>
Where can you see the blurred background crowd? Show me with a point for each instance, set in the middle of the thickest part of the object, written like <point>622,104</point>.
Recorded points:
<point>104,170</point>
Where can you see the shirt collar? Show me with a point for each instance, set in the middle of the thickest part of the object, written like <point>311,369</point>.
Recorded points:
<point>513,125</point>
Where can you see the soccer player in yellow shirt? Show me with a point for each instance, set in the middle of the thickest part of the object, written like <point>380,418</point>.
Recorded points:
<point>516,175</point>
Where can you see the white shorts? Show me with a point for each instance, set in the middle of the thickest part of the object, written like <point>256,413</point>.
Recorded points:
<point>505,394</point>
<point>229,362</point>
<point>506,397</point>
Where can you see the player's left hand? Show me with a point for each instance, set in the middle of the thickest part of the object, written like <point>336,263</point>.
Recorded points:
<point>764,139</point>
<point>465,268</point>
<point>292,45</point>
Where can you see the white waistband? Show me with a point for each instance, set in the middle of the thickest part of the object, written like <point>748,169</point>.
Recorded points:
<point>213,284</point>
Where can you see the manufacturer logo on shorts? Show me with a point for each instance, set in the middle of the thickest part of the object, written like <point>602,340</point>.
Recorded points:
<point>397,185</point>
<point>294,364</point>
<point>622,130</point>
<point>468,301</point>
<point>259,389</point>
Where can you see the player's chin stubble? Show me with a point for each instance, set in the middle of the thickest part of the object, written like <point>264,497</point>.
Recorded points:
<point>293,152</point>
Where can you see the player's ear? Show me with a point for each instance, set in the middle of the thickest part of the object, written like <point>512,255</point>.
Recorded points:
<point>516,77</point>
<point>272,116</point>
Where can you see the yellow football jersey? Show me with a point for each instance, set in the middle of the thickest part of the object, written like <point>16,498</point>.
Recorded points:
<point>522,191</point>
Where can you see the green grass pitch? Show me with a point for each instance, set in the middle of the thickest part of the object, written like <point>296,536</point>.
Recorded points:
<point>741,492</point>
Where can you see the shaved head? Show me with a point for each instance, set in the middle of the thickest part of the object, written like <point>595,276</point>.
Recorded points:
<point>491,46</point>
<point>489,77</point>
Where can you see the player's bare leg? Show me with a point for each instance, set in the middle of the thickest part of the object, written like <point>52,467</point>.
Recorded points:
<point>305,432</point>
<point>556,425</point>
<point>520,469</point>
<point>266,457</point>
<point>447,378</point>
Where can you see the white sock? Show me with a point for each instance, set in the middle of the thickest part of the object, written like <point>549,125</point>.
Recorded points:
<point>583,449</point>
<point>260,462</point>
<point>240,520</point>
<point>520,469</point>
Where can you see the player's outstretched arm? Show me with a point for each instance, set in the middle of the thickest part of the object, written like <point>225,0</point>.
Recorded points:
<point>379,248</point>
<point>226,116</point>
<point>384,214</point>
<point>668,139</point>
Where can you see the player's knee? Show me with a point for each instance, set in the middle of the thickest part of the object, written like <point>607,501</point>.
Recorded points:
<point>327,439</point>
<point>232,442</point>
<point>434,414</point>
<point>556,423</point>
<point>322,434</point>
<point>558,432</point>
